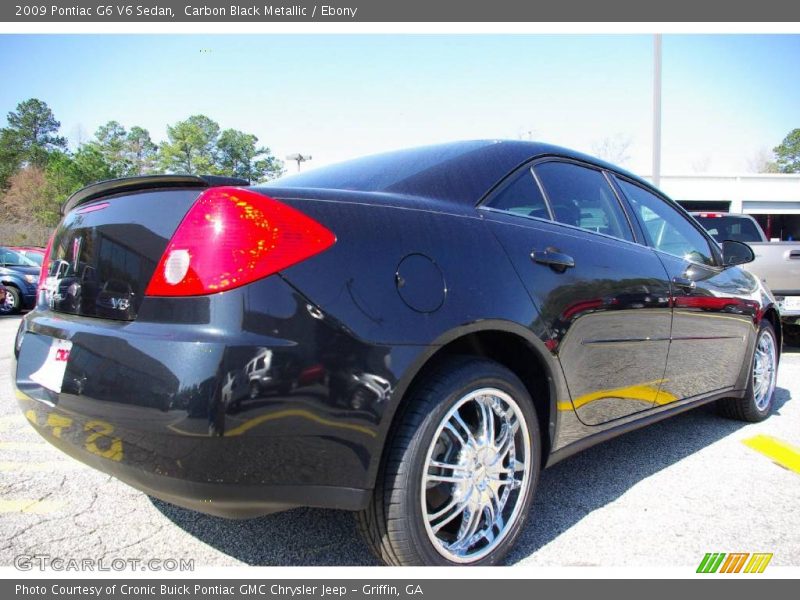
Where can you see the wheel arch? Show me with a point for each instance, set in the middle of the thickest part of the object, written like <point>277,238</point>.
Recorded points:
<point>774,318</point>
<point>507,343</point>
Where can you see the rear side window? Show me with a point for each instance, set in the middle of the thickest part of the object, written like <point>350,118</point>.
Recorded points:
<point>521,196</point>
<point>667,229</point>
<point>581,197</point>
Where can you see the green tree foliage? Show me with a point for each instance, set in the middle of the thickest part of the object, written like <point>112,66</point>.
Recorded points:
<point>33,129</point>
<point>9,157</point>
<point>38,172</point>
<point>29,138</point>
<point>191,147</point>
<point>126,153</point>
<point>110,143</point>
<point>67,173</point>
<point>239,156</point>
<point>787,154</point>
<point>142,153</point>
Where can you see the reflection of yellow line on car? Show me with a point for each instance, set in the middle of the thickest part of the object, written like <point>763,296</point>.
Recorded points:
<point>300,413</point>
<point>36,507</point>
<point>284,414</point>
<point>780,452</point>
<point>642,392</point>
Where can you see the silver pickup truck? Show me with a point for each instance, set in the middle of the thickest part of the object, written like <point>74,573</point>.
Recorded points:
<point>777,264</point>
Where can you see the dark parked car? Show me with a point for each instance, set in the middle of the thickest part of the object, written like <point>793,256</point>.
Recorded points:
<point>490,307</point>
<point>19,275</point>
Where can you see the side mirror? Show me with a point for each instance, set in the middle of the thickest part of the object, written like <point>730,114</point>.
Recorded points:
<point>736,253</point>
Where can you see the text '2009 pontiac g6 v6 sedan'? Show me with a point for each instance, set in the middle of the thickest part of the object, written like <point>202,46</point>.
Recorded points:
<point>411,335</point>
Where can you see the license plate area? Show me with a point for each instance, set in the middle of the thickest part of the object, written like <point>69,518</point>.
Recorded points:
<point>51,374</point>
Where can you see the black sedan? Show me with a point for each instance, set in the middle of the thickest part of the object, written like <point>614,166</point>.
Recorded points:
<point>412,336</point>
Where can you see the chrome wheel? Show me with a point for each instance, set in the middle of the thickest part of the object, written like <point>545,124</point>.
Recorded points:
<point>476,475</point>
<point>764,370</point>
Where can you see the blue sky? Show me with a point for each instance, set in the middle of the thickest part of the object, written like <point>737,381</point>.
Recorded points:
<point>339,96</point>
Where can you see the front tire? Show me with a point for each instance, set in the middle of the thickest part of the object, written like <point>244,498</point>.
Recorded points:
<point>757,403</point>
<point>460,471</point>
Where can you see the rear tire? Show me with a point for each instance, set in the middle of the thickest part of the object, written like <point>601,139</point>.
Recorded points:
<point>441,487</point>
<point>12,303</point>
<point>759,397</point>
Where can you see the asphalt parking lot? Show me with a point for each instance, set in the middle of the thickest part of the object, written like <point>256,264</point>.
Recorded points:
<point>661,496</point>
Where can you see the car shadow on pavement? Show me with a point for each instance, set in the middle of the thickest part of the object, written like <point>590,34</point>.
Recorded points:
<point>582,483</point>
<point>571,490</point>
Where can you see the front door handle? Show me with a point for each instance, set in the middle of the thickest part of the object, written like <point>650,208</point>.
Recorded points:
<point>558,261</point>
<point>684,282</point>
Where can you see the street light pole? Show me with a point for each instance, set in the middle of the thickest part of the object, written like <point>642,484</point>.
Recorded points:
<point>656,172</point>
<point>299,158</point>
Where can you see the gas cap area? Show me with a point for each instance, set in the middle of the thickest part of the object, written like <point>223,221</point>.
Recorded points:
<point>420,283</point>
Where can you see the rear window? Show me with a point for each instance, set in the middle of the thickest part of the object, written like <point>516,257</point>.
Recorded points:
<point>731,228</point>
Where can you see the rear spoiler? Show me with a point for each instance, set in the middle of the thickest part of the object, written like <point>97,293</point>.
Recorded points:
<point>146,182</point>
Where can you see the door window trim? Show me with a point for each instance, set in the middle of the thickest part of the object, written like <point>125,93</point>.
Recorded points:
<point>587,165</point>
<point>636,233</point>
<point>712,244</point>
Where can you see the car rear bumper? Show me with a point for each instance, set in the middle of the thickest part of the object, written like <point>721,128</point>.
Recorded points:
<point>789,304</point>
<point>168,409</point>
<point>98,445</point>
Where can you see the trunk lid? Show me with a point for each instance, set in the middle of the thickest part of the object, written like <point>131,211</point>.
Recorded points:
<point>105,251</point>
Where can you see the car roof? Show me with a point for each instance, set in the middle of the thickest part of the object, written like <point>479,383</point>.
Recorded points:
<point>462,171</point>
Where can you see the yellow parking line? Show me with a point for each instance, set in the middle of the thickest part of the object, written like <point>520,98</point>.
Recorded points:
<point>779,451</point>
<point>36,507</point>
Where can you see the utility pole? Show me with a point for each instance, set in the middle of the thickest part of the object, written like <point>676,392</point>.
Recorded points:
<point>656,172</point>
<point>299,158</point>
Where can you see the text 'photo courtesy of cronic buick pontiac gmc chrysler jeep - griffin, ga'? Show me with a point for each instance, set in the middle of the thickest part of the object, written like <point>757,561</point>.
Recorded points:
<point>412,336</point>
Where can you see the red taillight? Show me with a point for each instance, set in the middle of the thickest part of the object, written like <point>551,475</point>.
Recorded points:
<point>711,215</point>
<point>231,237</point>
<point>45,262</point>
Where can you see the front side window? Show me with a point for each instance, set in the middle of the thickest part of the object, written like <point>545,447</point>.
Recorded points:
<point>581,197</point>
<point>667,229</point>
<point>521,196</point>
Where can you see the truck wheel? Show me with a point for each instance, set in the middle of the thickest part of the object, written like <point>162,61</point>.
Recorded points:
<point>460,470</point>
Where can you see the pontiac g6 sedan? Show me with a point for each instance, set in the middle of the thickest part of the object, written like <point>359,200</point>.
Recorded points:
<point>412,336</point>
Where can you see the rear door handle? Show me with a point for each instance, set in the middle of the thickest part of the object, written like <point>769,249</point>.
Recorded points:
<point>684,282</point>
<point>558,261</point>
